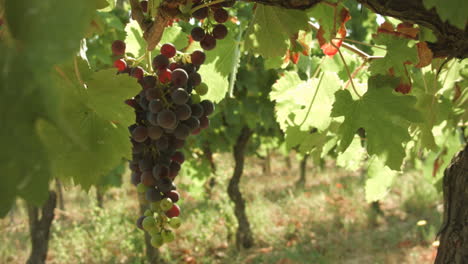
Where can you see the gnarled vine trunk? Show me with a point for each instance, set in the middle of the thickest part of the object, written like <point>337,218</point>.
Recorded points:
<point>302,172</point>
<point>454,232</point>
<point>39,228</point>
<point>244,236</point>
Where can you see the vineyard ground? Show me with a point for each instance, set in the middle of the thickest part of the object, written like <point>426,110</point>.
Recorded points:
<point>327,222</point>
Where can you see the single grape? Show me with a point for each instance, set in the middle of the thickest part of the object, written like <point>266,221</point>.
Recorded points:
<point>168,50</point>
<point>195,98</point>
<point>147,179</point>
<point>153,119</point>
<point>201,89</point>
<point>179,77</point>
<point>166,204</point>
<point>175,222</point>
<point>221,15</point>
<point>153,195</point>
<point>195,79</point>
<point>180,96</point>
<point>182,131</point>
<point>160,62</point>
<point>193,123</point>
<point>174,211</point>
<point>198,57</point>
<point>162,143</point>
<point>197,33</point>
<point>118,48</point>
<point>183,112</point>
<point>132,103</point>
<point>139,222</point>
<point>201,13</point>
<point>141,188</point>
<point>165,76</point>
<point>208,107</point>
<point>196,131</point>
<point>156,106</point>
<point>153,94</point>
<point>174,166</point>
<point>154,206</point>
<point>164,184</point>
<point>137,72</point>
<point>220,31</point>
<point>167,119</point>
<point>160,171</point>
<point>144,6</point>
<point>148,213</point>
<point>148,82</point>
<point>173,195</point>
<point>208,42</point>
<point>140,134</point>
<point>155,132</point>
<point>204,122</point>
<point>229,3</point>
<point>120,64</point>
<point>189,68</point>
<point>149,223</point>
<point>145,164</point>
<point>135,178</point>
<point>143,102</point>
<point>168,236</point>
<point>157,240</point>
<point>197,110</point>
<point>178,157</point>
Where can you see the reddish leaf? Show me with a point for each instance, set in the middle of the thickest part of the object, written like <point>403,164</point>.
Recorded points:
<point>294,57</point>
<point>405,30</point>
<point>425,55</point>
<point>330,48</point>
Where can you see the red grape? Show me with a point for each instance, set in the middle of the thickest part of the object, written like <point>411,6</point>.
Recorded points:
<point>168,50</point>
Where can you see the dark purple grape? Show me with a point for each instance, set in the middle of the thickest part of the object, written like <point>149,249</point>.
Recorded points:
<point>156,106</point>
<point>220,31</point>
<point>162,143</point>
<point>164,184</point>
<point>160,62</point>
<point>173,195</point>
<point>193,123</point>
<point>143,102</point>
<point>189,68</point>
<point>160,171</point>
<point>135,178</point>
<point>204,122</point>
<point>208,107</point>
<point>179,78</point>
<point>153,94</point>
<point>194,79</point>
<point>145,164</point>
<point>197,110</point>
<point>148,82</point>
<point>139,222</point>
<point>208,42</point>
<point>175,166</point>
<point>201,13</point>
<point>155,132</point>
<point>137,72</point>
<point>198,57</point>
<point>228,3</point>
<point>140,134</point>
<point>180,96</point>
<point>118,47</point>
<point>197,33</point>
<point>167,119</point>
<point>221,15</point>
<point>153,119</point>
<point>147,179</point>
<point>178,157</point>
<point>153,195</point>
<point>182,131</point>
<point>183,112</point>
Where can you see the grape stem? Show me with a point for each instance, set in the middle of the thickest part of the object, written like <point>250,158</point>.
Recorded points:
<point>206,4</point>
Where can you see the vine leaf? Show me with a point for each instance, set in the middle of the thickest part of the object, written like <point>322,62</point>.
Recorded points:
<point>453,11</point>
<point>384,115</point>
<point>294,98</point>
<point>271,28</point>
<point>379,180</point>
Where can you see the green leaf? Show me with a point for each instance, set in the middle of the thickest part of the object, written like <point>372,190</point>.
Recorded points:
<point>307,104</point>
<point>453,11</point>
<point>352,158</point>
<point>399,52</point>
<point>217,83</point>
<point>379,180</point>
<point>383,114</point>
<point>135,43</point>
<point>271,28</point>
<point>176,36</point>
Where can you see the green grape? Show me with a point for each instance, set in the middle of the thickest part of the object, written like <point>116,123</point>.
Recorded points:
<point>141,188</point>
<point>155,231</point>
<point>154,206</point>
<point>175,222</point>
<point>149,224</point>
<point>196,98</point>
<point>168,236</point>
<point>148,213</point>
<point>201,89</point>
<point>166,204</point>
<point>157,240</point>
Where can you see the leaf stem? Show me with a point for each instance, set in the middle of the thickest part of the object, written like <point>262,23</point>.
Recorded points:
<point>347,70</point>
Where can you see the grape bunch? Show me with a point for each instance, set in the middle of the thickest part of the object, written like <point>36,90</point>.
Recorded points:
<point>210,31</point>
<point>168,109</point>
